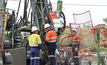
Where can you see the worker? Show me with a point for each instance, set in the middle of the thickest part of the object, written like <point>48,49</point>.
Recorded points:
<point>75,39</point>
<point>35,46</point>
<point>50,40</point>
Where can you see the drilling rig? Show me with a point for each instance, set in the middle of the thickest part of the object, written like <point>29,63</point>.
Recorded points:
<point>15,30</point>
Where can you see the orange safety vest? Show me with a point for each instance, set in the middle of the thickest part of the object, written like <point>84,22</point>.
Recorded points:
<point>51,36</point>
<point>53,15</point>
<point>76,39</point>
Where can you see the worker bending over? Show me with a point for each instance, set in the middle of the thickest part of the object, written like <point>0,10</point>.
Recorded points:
<point>51,38</point>
<point>35,46</point>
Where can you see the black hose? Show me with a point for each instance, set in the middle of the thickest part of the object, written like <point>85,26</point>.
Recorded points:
<point>18,9</point>
<point>64,25</point>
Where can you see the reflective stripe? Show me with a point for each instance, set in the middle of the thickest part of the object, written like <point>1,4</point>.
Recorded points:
<point>75,40</point>
<point>74,43</point>
<point>35,58</point>
<point>53,37</point>
<point>32,41</point>
<point>51,56</point>
<point>39,43</point>
<point>52,41</point>
<point>47,38</point>
<point>75,56</point>
<point>33,45</point>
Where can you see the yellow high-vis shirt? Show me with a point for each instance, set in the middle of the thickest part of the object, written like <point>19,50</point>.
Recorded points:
<point>34,40</point>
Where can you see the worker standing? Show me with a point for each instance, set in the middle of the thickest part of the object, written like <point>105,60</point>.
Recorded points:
<point>75,45</point>
<point>50,40</point>
<point>35,46</point>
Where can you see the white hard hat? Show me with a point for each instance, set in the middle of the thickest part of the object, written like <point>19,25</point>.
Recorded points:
<point>34,28</point>
<point>74,30</point>
<point>46,25</point>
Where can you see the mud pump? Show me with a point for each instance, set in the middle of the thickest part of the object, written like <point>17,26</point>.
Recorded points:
<point>15,28</point>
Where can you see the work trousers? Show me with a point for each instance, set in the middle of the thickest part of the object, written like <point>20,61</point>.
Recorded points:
<point>51,55</point>
<point>34,56</point>
<point>75,48</point>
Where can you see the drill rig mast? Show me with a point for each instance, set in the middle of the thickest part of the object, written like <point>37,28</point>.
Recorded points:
<point>38,13</point>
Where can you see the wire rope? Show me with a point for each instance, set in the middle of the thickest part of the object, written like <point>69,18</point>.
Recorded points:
<point>67,4</point>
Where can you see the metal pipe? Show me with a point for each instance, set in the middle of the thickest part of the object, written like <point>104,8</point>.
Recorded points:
<point>31,20</point>
<point>34,15</point>
<point>18,9</point>
<point>13,35</point>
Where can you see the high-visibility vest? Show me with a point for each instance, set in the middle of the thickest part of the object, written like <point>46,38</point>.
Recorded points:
<point>51,36</point>
<point>76,39</point>
<point>34,40</point>
<point>53,15</point>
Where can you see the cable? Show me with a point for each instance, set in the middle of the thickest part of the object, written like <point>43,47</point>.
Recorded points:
<point>68,4</point>
<point>81,4</point>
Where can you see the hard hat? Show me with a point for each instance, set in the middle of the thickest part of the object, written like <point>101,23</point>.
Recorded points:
<point>34,28</point>
<point>74,30</point>
<point>46,25</point>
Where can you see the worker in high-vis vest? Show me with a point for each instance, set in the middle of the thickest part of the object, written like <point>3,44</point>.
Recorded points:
<point>35,46</point>
<point>76,40</point>
<point>50,40</point>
